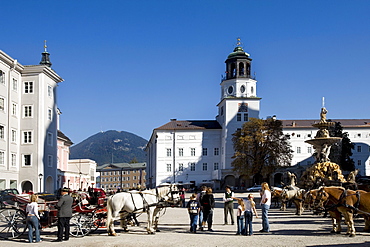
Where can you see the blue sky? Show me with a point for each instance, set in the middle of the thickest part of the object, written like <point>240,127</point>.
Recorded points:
<point>134,65</point>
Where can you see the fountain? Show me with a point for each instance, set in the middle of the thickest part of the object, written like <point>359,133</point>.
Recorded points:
<point>322,172</point>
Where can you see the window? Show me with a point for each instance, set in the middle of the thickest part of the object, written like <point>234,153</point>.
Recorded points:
<point>50,114</point>
<point>222,110</point>
<point>50,139</point>
<point>309,135</point>
<point>2,131</point>
<point>181,152</point>
<point>359,149</point>
<point>181,167</point>
<point>205,166</point>
<point>298,150</point>
<point>27,111</point>
<point>50,91</point>
<point>128,178</point>
<point>50,160</point>
<point>309,150</point>
<point>359,135</point>
<point>15,84</point>
<point>298,135</point>
<point>2,77</point>
<point>359,162</point>
<point>239,117</point>
<point>246,117</point>
<point>14,160</point>
<point>168,152</point>
<point>204,151</point>
<point>128,172</point>
<point>216,151</point>
<point>14,109</point>
<point>135,178</point>
<point>2,157</point>
<point>168,167</point>
<point>215,166</point>
<point>27,137</point>
<point>192,166</point>
<point>2,104</point>
<point>28,87</point>
<point>192,151</point>
<point>27,159</point>
<point>14,136</point>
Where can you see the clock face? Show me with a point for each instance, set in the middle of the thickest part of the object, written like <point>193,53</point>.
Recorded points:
<point>242,89</point>
<point>230,90</point>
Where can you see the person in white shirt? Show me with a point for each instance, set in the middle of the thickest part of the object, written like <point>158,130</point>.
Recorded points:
<point>265,205</point>
<point>33,218</point>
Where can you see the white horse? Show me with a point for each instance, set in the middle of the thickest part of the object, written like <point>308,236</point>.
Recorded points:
<point>295,195</point>
<point>124,203</point>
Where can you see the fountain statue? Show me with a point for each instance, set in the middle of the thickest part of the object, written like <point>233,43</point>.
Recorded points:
<point>323,171</point>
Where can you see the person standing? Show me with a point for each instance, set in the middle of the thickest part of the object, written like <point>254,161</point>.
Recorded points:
<point>240,217</point>
<point>33,219</point>
<point>193,210</point>
<point>64,206</point>
<point>199,198</point>
<point>208,204</point>
<point>265,204</point>
<point>228,205</point>
<point>250,208</point>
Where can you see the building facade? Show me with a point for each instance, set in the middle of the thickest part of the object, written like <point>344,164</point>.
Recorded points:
<point>122,176</point>
<point>200,152</point>
<point>28,124</point>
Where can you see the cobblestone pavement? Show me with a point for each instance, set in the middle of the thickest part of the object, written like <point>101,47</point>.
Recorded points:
<point>286,230</point>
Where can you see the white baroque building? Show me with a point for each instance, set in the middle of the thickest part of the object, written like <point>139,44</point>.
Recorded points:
<point>28,124</point>
<point>200,152</point>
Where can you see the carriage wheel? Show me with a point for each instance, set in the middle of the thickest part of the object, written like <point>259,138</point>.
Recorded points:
<point>80,225</point>
<point>12,223</point>
<point>97,221</point>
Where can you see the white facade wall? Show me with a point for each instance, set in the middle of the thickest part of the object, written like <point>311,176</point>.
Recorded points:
<point>189,147</point>
<point>360,136</point>
<point>32,112</point>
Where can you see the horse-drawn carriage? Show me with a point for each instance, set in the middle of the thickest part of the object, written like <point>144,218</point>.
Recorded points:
<point>90,210</point>
<point>13,217</point>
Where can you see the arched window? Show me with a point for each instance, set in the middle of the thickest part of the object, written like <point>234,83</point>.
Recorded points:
<point>241,68</point>
<point>2,77</point>
<point>232,70</point>
<point>248,69</point>
<point>252,90</point>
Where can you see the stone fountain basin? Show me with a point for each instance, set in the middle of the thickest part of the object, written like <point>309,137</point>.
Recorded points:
<point>324,140</point>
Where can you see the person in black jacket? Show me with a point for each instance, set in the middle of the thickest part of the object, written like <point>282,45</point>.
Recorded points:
<point>207,205</point>
<point>64,206</point>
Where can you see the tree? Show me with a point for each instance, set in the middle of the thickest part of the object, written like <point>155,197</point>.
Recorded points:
<point>260,147</point>
<point>134,160</point>
<point>341,153</point>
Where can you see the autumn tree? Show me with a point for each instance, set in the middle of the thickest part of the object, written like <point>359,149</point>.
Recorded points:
<point>260,147</point>
<point>341,153</point>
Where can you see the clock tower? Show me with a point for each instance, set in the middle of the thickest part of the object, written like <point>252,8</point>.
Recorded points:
<point>239,101</point>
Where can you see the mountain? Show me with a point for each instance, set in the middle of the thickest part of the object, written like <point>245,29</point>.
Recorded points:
<point>110,147</point>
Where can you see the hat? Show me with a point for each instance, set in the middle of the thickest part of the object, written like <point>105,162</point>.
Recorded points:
<point>65,189</point>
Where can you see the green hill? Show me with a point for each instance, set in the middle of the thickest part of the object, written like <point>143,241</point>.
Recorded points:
<point>110,146</point>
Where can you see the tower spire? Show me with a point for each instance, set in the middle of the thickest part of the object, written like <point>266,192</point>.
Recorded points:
<point>45,60</point>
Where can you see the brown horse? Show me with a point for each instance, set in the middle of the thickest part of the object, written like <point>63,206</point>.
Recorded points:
<point>311,202</point>
<point>346,202</point>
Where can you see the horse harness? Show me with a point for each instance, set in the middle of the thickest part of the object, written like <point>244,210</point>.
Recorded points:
<point>342,203</point>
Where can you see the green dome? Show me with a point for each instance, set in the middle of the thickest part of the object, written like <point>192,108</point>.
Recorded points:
<point>238,51</point>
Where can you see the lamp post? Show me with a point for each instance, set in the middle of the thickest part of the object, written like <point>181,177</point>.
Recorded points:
<point>80,181</point>
<point>40,177</point>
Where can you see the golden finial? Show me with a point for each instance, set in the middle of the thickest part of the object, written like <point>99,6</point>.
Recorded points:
<point>45,46</point>
<point>238,43</point>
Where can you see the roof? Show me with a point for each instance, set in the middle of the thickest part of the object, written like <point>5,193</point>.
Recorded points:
<point>63,137</point>
<point>190,125</point>
<point>124,166</point>
<point>307,123</point>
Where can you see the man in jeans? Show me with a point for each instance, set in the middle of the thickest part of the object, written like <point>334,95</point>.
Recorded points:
<point>199,197</point>
<point>229,205</point>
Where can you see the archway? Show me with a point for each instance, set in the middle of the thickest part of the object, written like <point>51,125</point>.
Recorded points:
<point>229,180</point>
<point>243,182</point>
<point>278,179</point>
<point>27,186</point>
<point>257,179</point>
<point>49,185</point>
